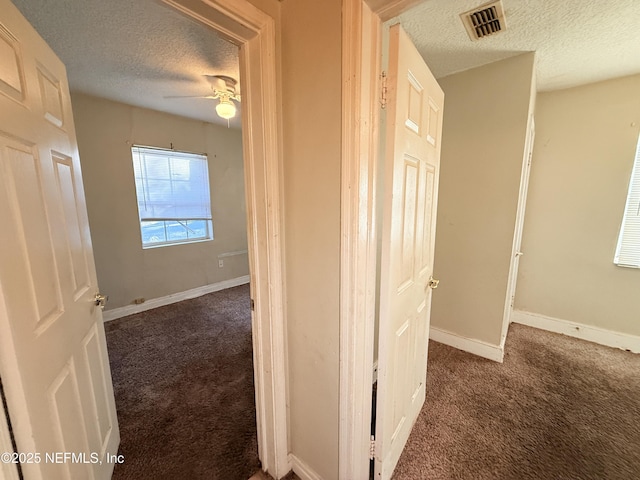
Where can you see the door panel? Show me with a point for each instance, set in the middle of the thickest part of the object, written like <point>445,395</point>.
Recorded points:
<point>73,239</point>
<point>11,70</point>
<point>53,357</point>
<point>68,420</point>
<point>409,208</point>
<point>414,125</point>
<point>51,97</point>
<point>94,355</point>
<point>23,182</point>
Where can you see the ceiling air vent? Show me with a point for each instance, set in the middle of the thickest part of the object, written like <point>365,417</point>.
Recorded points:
<point>485,20</point>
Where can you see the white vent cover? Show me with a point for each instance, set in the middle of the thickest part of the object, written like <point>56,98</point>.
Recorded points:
<point>485,20</point>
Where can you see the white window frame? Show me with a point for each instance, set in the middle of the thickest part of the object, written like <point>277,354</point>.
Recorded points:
<point>628,248</point>
<point>163,221</point>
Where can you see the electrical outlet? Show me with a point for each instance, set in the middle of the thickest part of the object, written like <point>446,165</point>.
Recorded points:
<point>220,263</point>
<point>138,301</point>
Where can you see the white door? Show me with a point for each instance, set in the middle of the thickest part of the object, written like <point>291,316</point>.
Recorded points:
<point>414,126</point>
<point>516,252</point>
<point>53,357</point>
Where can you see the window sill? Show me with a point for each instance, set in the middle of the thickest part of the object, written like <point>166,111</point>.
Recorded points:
<point>626,266</point>
<point>173,244</point>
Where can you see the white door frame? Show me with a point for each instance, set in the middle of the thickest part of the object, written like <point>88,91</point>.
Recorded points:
<point>361,94</point>
<point>254,31</point>
<point>361,46</point>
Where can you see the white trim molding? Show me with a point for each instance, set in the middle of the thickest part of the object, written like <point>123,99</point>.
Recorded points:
<point>233,254</point>
<point>387,9</point>
<point>255,33</point>
<point>471,345</point>
<point>120,312</point>
<point>598,335</point>
<point>361,47</point>
<point>301,469</point>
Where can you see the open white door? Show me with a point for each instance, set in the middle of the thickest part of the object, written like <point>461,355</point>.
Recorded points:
<point>412,158</point>
<point>53,356</point>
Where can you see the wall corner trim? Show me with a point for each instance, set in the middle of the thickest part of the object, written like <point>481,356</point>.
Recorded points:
<point>601,336</point>
<point>471,345</point>
<point>304,471</point>
<point>120,312</point>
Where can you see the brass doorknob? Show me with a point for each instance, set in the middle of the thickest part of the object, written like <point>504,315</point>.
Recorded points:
<point>433,283</point>
<point>100,300</point>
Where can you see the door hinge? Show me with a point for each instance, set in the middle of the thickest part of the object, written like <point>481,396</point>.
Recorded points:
<point>372,448</point>
<point>383,93</point>
<point>253,305</point>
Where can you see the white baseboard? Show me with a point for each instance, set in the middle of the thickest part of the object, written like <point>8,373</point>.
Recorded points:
<point>477,347</point>
<point>304,471</point>
<point>120,312</point>
<point>233,254</point>
<point>601,336</point>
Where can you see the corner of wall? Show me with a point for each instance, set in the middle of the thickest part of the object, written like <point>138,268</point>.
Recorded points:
<point>585,136</point>
<point>480,177</point>
<point>470,345</point>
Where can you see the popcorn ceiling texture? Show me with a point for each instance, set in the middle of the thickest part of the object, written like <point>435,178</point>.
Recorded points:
<point>135,52</point>
<point>577,41</point>
<point>138,52</point>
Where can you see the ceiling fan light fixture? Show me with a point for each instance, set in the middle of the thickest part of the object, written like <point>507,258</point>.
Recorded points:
<point>226,109</point>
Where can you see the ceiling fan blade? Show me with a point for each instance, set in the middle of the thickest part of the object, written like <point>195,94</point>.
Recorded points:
<point>189,96</point>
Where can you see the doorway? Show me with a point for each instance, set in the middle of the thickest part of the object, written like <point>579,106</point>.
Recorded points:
<point>262,178</point>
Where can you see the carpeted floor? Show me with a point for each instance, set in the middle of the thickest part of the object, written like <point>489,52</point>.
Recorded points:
<point>558,409</point>
<point>183,380</point>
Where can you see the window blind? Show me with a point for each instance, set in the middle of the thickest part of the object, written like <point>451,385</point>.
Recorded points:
<point>628,250</point>
<point>171,185</point>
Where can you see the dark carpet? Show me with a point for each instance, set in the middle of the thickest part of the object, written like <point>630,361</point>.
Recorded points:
<point>183,380</point>
<point>558,408</point>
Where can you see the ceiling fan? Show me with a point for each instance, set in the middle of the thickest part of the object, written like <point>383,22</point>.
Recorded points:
<point>224,88</point>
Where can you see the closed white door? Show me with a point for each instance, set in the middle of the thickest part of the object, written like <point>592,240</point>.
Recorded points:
<point>53,357</point>
<point>517,237</point>
<point>412,158</point>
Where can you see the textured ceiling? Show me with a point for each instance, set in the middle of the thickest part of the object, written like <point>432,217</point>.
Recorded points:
<point>136,52</point>
<point>139,51</point>
<point>577,41</point>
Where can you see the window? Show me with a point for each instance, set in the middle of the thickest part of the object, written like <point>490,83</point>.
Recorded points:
<point>628,250</point>
<point>174,203</point>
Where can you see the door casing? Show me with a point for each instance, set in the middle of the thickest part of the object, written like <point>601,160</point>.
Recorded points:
<point>361,96</point>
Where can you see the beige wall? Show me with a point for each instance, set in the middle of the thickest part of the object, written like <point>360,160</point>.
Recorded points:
<point>106,130</point>
<point>311,71</point>
<point>484,130</point>
<point>583,155</point>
